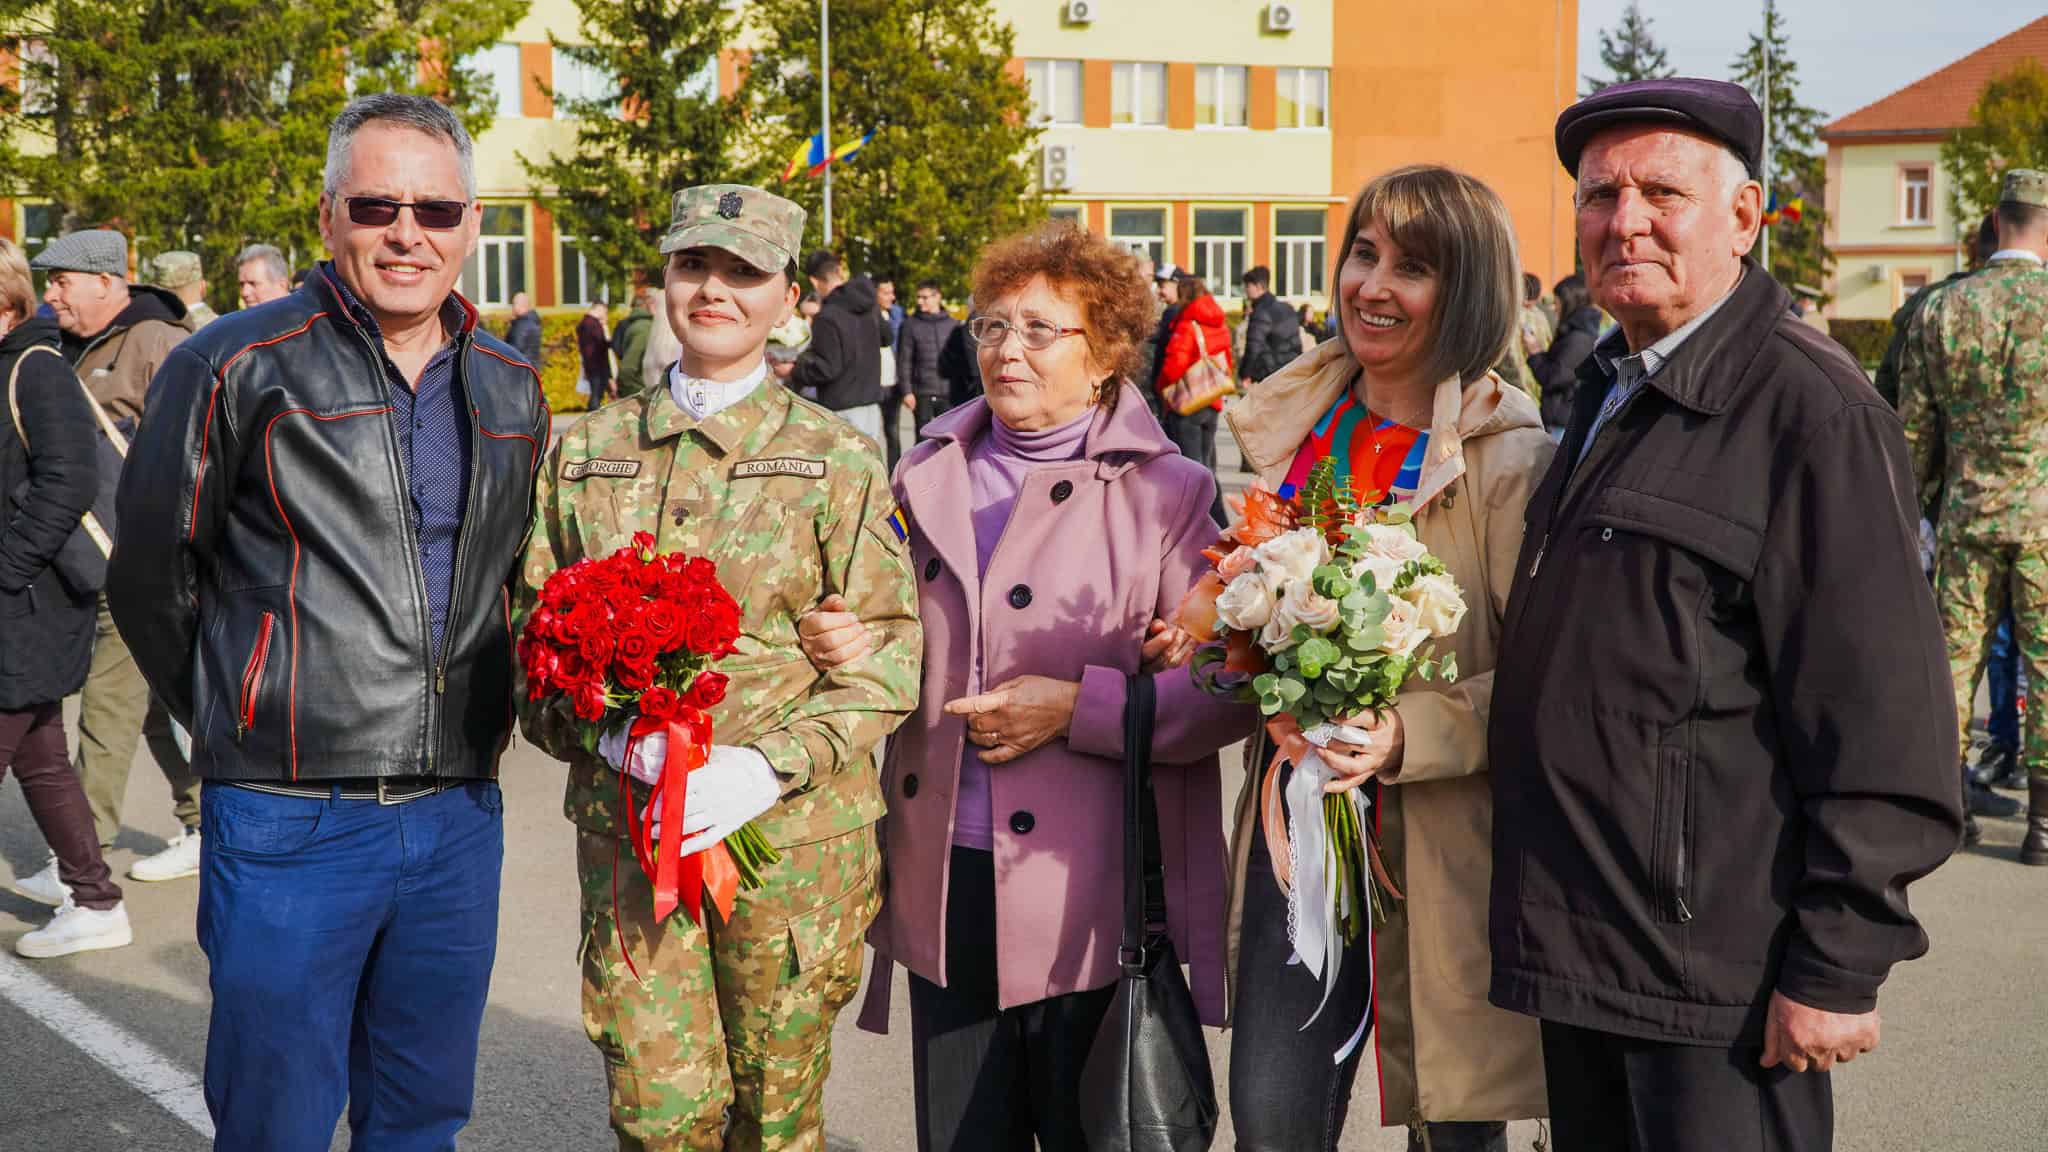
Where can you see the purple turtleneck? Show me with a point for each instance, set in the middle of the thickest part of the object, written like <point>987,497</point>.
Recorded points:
<point>996,468</point>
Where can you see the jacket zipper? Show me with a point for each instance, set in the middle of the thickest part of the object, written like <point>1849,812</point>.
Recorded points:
<point>252,677</point>
<point>462,535</point>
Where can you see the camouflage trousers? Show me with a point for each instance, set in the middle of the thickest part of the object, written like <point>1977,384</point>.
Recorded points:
<point>737,1016</point>
<point>1973,583</point>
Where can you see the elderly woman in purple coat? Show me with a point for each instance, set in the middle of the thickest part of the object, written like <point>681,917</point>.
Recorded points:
<point>1053,529</point>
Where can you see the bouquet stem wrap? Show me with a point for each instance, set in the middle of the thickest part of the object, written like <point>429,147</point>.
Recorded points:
<point>677,878</point>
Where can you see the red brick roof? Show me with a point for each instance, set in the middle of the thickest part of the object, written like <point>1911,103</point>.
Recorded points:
<point>1942,101</point>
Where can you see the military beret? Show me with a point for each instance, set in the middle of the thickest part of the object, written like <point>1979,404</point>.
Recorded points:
<point>98,251</point>
<point>756,225</point>
<point>1714,108</point>
<point>2024,186</point>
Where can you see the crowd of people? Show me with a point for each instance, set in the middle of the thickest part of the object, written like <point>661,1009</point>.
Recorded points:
<point>298,570</point>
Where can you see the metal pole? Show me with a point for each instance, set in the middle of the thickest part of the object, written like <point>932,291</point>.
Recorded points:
<point>1769,7</point>
<point>825,76</point>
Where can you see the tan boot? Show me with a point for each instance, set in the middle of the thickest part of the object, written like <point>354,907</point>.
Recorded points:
<point>2034,849</point>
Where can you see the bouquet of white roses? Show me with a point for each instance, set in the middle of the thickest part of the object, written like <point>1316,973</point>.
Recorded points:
<point>1328,606</point>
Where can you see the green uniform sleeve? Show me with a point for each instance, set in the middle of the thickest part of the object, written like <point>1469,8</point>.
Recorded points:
<point>1925,436</point>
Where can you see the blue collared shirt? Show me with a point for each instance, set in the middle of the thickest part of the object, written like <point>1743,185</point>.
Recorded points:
<point>433,443</point>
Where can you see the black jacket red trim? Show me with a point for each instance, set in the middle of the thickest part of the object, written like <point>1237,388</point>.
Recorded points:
<point>266,485</point>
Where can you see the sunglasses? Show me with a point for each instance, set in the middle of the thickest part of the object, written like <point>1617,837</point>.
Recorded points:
<point>378,212</point>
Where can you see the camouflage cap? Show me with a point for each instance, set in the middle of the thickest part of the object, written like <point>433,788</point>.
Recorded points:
<point>2024,186</point>
<point>174,270</point>
<point>757,226</point>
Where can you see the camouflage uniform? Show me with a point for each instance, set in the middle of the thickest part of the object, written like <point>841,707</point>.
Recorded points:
<point>792,505</point>
<point>1974,398</point>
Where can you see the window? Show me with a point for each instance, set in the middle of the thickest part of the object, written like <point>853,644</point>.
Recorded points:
<point>1055,90</point>
<point>1909,283</point>
<point>575,80</point>
<point>1300,251</point>
<point>703,83</point>
<point>498,66</point>
<point>496,271</point>
<point>39,224</point>
<point>1068,212</point>
<point>1916,195</point>
<point>1219,249</point>
<point>1304,98</point>
<point>1138,95</point>
<point>1219,96</point>
<point>1142,230</point>
<point>582,284</point>
<point>38,69</point>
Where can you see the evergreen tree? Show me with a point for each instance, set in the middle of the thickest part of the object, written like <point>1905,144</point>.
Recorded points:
<point>660,126</point>
<point>2008,128</point>
<point>1798,168</point>
<point>948,169</point>
<point>1629,52</point>
<point>202,124</point>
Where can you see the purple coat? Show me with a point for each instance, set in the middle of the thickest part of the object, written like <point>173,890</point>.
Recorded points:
<point>1095,549</point>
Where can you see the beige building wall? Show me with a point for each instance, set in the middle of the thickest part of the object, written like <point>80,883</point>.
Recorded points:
<point>1881,253</point>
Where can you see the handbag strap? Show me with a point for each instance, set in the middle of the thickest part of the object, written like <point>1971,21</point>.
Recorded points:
<point>113,433</point>
<point>1144,869</point>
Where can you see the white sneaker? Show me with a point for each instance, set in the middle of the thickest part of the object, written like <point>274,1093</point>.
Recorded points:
<point>76,929</point>
<point>44,887</point>
<point>181,859</point>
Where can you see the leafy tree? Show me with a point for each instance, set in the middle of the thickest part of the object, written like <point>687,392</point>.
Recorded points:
<point>2008,128</point>
<point>202,124</point>
<point>660,126</point>
<point>1629,52</point>
<point>948,169</point>
<point>1798,168</point>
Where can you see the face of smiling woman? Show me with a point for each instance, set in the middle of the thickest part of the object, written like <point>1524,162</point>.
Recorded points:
<point>722,309</point>
<point>1387,299</point>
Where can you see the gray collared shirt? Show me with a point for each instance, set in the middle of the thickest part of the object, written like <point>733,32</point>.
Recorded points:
<point>1626,375</point>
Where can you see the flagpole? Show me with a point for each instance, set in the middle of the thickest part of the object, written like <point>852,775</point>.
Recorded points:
<point>1769,5</point>
<point>825,76</point>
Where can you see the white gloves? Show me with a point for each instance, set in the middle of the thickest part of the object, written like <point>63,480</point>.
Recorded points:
<point>734,786</point>
<point>648,755</point>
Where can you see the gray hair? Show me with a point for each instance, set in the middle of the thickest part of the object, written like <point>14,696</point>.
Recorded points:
<point>415,112</point>
<point>273,261</point>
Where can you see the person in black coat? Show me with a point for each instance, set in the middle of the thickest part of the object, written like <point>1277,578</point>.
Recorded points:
<point>523,334</point>
<point>920,351</point>
<point>1557,367</point>
<point>1272,330</point>
<point>46,627</point>
<point>960,364</point>
<point>843,361</point>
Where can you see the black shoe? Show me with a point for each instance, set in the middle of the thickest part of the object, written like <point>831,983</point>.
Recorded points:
<point>1985,802</point>
<point>2034,849</point>
<point>1972,835</point>
<point>1999,767</point>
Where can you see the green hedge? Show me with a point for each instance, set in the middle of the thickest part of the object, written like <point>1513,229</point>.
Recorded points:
<point>1866,340</point>
<point>560,364</point>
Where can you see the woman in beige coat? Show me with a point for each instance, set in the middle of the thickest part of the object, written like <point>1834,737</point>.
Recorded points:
<point>1427,293</point>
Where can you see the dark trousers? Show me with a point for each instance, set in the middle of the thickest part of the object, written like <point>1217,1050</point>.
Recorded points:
<point>892,428</point>
<point>351,946</point>
<point>32,743</point>
<point>930,408</point>
<point>1613,1093</point>
<point>990,1079</point>
<point>2003,670</point>
<point>1195,436</point>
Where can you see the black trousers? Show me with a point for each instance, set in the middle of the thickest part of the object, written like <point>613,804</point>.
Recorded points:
<point>1613,1093</point>
<point>929,408</point>
<point>990,1079</point>
<point>1195,436</point>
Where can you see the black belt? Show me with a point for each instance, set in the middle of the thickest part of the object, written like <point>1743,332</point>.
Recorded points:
<point>382,789</point>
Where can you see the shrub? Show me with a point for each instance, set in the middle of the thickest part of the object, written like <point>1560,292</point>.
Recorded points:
<point>1866,340</point>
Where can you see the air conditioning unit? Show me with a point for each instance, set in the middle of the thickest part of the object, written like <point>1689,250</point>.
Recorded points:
<point>1056,170</point>
<point>1281,17</point>
<point>1876,273</point>
<point>1083,11</point>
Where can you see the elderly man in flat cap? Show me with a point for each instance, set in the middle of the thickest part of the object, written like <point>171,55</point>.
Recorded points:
<point>1721,715</point>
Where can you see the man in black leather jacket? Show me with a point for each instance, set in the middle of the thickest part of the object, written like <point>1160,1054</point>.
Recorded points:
<point>326,499</point>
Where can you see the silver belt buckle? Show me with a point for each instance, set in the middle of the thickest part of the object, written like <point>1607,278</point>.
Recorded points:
<point>384,792</point>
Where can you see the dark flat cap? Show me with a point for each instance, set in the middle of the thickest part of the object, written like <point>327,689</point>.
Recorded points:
<point>1713,108</point>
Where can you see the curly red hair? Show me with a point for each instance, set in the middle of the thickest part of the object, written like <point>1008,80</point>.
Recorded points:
<point>1116,303</point>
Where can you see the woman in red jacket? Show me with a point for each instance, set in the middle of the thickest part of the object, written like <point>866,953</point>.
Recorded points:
<point>1194,435</point>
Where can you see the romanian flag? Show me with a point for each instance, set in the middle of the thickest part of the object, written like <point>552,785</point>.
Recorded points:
<point>1793,211</point>
<point>810,158</point>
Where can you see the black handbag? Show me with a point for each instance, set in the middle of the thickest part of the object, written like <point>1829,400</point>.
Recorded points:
<point>1146,1086</point>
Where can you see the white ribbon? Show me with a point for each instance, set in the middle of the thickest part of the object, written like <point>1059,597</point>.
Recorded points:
<point>1314,910</point>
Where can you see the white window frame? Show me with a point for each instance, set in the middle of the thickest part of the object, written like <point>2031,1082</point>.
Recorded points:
<point>1211,248</point>
<point>1303,257</point>
<point>38,97</point>
<point>579,293</point>
<point>703,83</point>
<point>1228,111</point>
<point>506,253</point>
<point>1147,245</point>
<point>499,65</point>
<point>1071,212</point>
<point>1046,79</point>
<point>1291,86</point>
<point>1907,186</point>
<point>1129,80</point>
<point>577,81</point>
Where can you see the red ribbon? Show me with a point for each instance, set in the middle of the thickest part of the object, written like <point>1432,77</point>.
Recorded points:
<point>678,879</point>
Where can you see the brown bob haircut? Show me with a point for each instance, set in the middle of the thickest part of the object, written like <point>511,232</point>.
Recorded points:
<point>1460,228</point>
<point>1116,301</point>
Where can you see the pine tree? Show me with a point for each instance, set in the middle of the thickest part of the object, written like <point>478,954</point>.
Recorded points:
<point>663,126</point>
<point>947,170</point>
<point>1630,52</point>
<point>2008,128</point>
<point>202,124</point>
<point>1798,168</point>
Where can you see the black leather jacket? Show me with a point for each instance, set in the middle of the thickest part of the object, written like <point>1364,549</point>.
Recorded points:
<point>267,578</point>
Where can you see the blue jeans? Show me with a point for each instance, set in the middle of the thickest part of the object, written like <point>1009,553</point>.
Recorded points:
<point>2004,671</point>
<point>351,946</point>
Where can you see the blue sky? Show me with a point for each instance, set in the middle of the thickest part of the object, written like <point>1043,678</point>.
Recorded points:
<point>1850,52</point>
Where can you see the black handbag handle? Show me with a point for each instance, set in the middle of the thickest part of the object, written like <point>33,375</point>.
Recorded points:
<point>1144,869</point>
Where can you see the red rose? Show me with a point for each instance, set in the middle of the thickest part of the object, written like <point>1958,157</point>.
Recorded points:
<point>589,702</point>
<point>663,624</point>
<point>634,675</point>
<point>635,645</point>
<point>661,704</point>
<point>570,669</point>
<point>541,664</point>
<point>596,648</point>
<point>643,543</point>
<point>714,627</point>
<point>701,571</point>
<point>707,689</point>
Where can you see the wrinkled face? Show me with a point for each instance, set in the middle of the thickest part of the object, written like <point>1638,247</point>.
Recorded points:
<point>1387,299</point>
<point>258,286</point>
<point>1664,218</point>
<point>722,308</point>
<point>929,303</point>
<point>399,270</point>
<point>1034,389</point>
<point>85,302</point>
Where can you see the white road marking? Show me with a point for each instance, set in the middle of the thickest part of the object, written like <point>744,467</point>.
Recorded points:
<point>114,1047</point>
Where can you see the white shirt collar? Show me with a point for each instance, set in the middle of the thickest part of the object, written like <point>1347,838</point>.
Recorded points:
<point>704,398</point>
<point>2016,254</point>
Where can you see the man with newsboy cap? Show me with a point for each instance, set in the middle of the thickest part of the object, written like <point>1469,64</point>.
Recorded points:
<point>1721,716</point>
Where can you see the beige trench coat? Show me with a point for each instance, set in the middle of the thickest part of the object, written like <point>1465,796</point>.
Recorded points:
<point>1445,1053</point>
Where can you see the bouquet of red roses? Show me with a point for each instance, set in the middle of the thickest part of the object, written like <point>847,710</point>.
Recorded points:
<point>630,639</point>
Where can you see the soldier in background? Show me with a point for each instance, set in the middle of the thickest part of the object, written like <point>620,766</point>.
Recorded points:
<point>792,505</point>
<point>180,274</point>
<point>1975,408</point>
<point>1982,244</point>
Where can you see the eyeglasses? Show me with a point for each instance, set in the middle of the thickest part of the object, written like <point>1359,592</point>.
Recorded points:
<point>1035,335</point>
<point>378,212</point>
